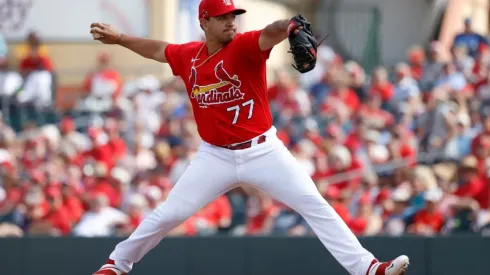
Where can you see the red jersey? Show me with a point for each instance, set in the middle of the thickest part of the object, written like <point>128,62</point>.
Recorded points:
<point>228,92</point>
<point>476,188</point>
<point>434,220</point>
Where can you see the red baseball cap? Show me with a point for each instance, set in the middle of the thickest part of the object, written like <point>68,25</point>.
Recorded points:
<point>213,8</point>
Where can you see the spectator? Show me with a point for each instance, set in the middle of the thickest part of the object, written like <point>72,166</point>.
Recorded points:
<point>357,79</point>
<point>459,144</point>
<point>417,60</point>
<point>214,216</point>
<point>288,222</point>
<point>33,40</point>
<point>434,125</point>
<point>472,184</point>
<point>463,62</point>
<point>57,221</point>
<point>480,146</point>
<point>433,68</point>
<point>451,80</point>
<point>136,210</point>
<point>36,94</point>
<point>100,150</point>
<point>103,81</point>
<point>35,61</point>
<point>366,222</point>
<point>396,221</point>
<point>470,39</point>
<point>381,86</point>
<point>406,88</point>
<point>429,221</point>
<point>373,114</point>
<point>100,220</point>
<point>10,83</point>
<point>261,213</point>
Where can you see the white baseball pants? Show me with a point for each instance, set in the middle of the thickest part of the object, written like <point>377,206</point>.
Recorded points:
<point>269,167</point>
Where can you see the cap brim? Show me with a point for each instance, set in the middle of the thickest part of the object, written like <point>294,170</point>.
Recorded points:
<point>239,11</point>
<point>234,11</point>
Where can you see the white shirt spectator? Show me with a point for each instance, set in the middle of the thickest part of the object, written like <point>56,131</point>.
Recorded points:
<point>102,87</point>
<point>405,89</point>
<point>99,224</point>
<point>10,82</point>
<point>37,89</point>
<point>455,81</point>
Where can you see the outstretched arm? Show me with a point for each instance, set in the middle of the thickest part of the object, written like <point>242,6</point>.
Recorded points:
<point>273,34</point>
<point>148,48</point>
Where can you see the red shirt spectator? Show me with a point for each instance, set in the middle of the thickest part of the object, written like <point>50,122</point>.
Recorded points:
<point>475,188</point>
<point>218,212</point>
<point>118,148</point>
<point>104,187</point>
<point>100,152</point>
<point>480,146</point>
<point>473,184</point>
<point>353,182</point>
<point>105,80</point>
<point>385,91</point>
<point>34,61</point>
<point>416,58</point>
<point>346,95</point>
<point>59,219</point>
<point>433,219</point>
<point>74,207</point>
<point>257,223</point>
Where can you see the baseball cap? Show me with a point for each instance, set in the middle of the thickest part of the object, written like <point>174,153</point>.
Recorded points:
<point>213,8</point>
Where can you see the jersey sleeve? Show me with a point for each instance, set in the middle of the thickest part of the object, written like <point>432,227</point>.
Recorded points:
<point>249,46</point>
<point>173,53</point>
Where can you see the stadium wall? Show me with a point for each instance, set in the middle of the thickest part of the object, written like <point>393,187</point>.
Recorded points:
<point>241,256</point>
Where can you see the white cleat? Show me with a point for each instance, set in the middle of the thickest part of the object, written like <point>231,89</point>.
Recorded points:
<point>397,266</point>
<point>109,268</point>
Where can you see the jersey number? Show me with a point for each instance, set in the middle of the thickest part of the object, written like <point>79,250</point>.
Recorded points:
<point>236,108</point>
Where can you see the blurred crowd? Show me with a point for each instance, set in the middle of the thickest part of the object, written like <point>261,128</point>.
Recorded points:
<point>401,150</point>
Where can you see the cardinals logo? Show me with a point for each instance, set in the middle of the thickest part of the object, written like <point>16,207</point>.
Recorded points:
<point>213,93</point>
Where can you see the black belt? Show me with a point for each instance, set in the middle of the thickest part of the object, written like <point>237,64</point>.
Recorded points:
<point>244,145</point>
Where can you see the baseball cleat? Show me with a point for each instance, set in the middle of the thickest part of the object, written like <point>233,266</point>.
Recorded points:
<point>397,266</point>
<point>109,269</point>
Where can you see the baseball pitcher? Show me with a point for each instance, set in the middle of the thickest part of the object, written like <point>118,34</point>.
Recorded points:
<point>225,77</point>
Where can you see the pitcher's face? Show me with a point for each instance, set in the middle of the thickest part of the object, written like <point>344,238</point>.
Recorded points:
<point>222,28</point>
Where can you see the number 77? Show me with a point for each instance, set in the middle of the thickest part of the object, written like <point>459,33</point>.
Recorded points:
<point>236,108</point>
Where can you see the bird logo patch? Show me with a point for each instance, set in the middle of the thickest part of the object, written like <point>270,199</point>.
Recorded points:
<point>226,89</point>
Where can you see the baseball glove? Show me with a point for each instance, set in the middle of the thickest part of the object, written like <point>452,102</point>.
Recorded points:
<point>303,44</point>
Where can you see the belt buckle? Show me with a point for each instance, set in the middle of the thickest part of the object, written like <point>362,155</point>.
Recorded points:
<point>246,144</point>
<point>239,146</point>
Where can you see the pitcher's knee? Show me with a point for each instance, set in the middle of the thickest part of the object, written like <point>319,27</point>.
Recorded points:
<point>174,211</point>
<point>311,204</point>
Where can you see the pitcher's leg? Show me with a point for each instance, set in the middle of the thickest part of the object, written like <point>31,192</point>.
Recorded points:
<point>207,177</point>
<point>279,174</point>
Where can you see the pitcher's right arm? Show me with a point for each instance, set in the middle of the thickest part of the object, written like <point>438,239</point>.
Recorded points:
<point>148,48</point>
